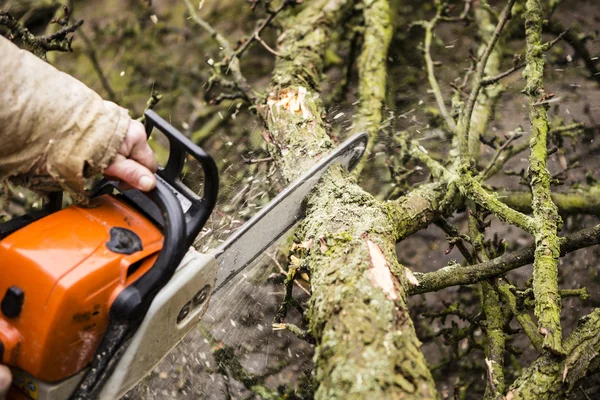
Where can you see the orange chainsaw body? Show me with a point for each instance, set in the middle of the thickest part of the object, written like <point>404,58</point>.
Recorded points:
<point>58,279</point>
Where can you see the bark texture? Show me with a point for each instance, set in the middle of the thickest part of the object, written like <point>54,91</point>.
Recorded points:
<point>545,265</point>
<point>366,343</point>
<point>550,377</point>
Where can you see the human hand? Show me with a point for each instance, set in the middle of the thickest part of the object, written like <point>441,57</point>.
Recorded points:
<point>135,163</point>
<point>5,381</point>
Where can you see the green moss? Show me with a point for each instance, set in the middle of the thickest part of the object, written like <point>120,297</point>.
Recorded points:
<point>372,70</point>
<point>547,220</point>
<point>347,312</point>
<point>553,378</point>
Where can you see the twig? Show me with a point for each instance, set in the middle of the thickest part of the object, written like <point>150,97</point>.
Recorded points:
<point>91,53</point>
<point>565,130</point>
<point>582,293</point>
<point>298,332</point>
<point>40,45</point>
<point>503,159</point>
<point>457,239</point>
<point>278,264</point>
<point>529,327</point>
<point>234,63</point>
<point>490,80</point>
<point>464,15</point>
<point>548,45</point>
<point>465,121</point>
<point>228,96</point>
<point>266,46</point>
<point>256,160</point>
<point>429,26</point>
<point>256,35</point>
<point>153,100</point>
<point>511,138</point>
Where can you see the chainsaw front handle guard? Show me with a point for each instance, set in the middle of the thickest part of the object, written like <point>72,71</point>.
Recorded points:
<point>131,304</point>
<point>179,146</point>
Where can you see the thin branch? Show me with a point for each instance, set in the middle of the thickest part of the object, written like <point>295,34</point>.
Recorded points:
<point>510,138</point>
<point>233,61</point>
<point>490,80</point>
<point>465,121</point>
<point>529,327</point>
<point>266,46</point>
<point>256,35</point>
<point>40,45</point>
<point>435,87</point>
<point>464,15</point>
<point>548,45</point>
<point>454,275</point>
<point>152,101</point>
<point>271,256</point>
<point>92,55</point>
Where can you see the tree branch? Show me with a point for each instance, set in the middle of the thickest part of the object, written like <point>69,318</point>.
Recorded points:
<point>464,125</point>
<point>372,72</point>
<point>233,62</point>
<point>577,201</point>
<point>40,45</point>
<point>547,220</point>
<point>529,327</point>
<point>456,274</point>
<point>561,376</point>
<point>360,257</point>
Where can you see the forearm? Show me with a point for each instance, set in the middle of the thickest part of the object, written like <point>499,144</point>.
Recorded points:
<point>52,125</point>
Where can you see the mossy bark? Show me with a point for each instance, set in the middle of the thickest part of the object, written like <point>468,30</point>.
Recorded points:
<point>553,378</point>
<point>576,201</point>
<point>367,347</point>
<point>371,66</point>
<point>547,221</point>
<point>366,343</point>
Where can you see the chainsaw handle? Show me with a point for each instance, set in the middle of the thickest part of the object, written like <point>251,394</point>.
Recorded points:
<point>131,304</point>
<point>180,228</point>
<point>179,146</point>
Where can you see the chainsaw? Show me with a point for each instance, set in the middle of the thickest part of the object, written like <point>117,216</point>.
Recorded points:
<point>94,296</point>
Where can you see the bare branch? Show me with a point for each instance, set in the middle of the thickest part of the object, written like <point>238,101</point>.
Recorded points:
<point>465,122</point>
<point>455,274</point>
<point>40,45</point>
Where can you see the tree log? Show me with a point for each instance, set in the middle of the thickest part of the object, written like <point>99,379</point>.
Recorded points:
<point>366,343</point>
